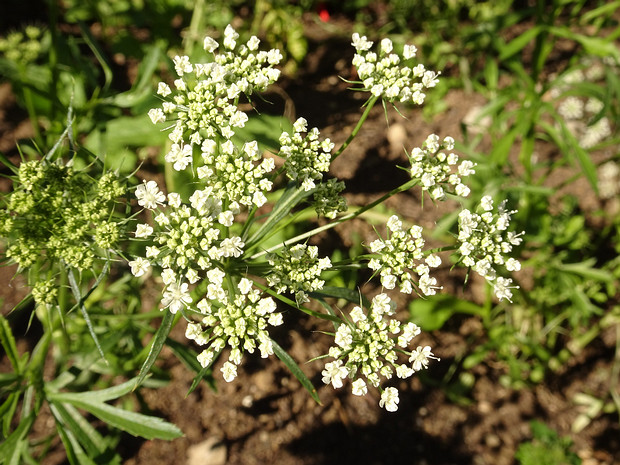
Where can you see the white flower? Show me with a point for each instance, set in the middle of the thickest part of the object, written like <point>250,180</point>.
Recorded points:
<point>144,230</point>
<point>157,115</point>
<point>139,266</point>
<point>226,218</point>
<point>151,251</point>
<point>343,337</point>
<point>232,247</point>
<point>174,199</point>
<point>245,285</point>
<point>275,319</point>
<point>571,108</point>
<point>486,203</point>
<point>168,276</point>
<point>163,89</point>
<point>182,65</point>
<point>180,155</point>
<point>359,388</point>
<point>210,44</point>
<point>205,358</point>
<point>176,297</point>
<point>149,195</point>
<point>389,399</point>
<point>409,51</point>
<point>334,373</point>
<point>419,358</point>
<point>394,224</point>
<point>512,264</point>
<point>229,371</point>
<point>386,46</point>
<point>360,43</point>
<point>502,288</point>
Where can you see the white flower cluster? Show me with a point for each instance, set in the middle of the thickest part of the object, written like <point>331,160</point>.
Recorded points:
<point>434,169</point>
<point>306,159</point>
<point>298,270</point>
<point>484,240</point>
<point>188,237</point>
<point>236,175</point>
<point>203,102</point>
<point>385,75</point>
<point>188,246</point>
<point>240,324</point>
<point>609,180</point>
<point>400,255</point>
<point>368,347</point>
<point>583,115</point>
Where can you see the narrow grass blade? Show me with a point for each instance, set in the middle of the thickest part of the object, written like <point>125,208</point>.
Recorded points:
<point>294,368</point>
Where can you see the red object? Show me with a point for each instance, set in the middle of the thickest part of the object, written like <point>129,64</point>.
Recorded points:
<point>323,13</point>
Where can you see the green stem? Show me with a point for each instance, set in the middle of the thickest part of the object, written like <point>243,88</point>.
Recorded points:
<point>32,114</point>
<point>194,26</point>
<point>369,104</point>
<point>333,224</point>
<point>53,57</point>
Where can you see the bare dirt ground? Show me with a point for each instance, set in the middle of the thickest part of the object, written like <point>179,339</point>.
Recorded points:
<point>266,417</point>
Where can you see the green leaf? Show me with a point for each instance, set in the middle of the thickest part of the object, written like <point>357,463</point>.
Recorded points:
<point>145,426</point>
<point>142,87</point>
<point>597,46</point>
<point>102,395</point>
<point>518,43</point>
<point>156,345</point>
<point>291,197</point>
<point>432,312</point>
<point>99,54</point>
<point>294,368</point>
<point>350,295</point>
<point>11,448</point>
<point>8,342</point>
<point>75,289</point>
<point>587,270</point>
<point>68,418</point>
<point>75,453</point>
<point>609,8</point>
<point>7,411</point>
<point>188,357</point>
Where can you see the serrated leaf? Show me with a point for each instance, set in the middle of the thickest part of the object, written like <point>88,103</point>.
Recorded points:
<point>101,395</point>
<point>68,418</point>
<point>75,453</point>
<point>294,368</point>
<point>137,424</point>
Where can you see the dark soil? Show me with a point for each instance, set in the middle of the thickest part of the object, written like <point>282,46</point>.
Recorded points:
<point>266,417</point>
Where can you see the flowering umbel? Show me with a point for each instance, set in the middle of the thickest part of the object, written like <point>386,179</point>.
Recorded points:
<point>222,248</point>
<point>370,346</point>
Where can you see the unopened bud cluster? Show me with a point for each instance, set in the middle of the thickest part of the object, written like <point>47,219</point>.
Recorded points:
<point>297,270</point>
<point>59,215</point>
